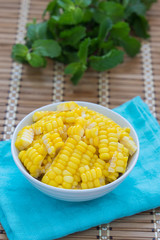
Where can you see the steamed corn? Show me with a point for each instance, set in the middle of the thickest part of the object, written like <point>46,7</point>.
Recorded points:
<point>74,147</point>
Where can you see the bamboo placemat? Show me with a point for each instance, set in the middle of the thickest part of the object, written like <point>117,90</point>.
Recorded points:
<point>23,89</point>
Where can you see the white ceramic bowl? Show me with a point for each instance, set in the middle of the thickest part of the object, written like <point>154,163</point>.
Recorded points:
<point>76,195</point>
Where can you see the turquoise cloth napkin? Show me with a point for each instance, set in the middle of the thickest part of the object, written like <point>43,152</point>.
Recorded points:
<point>27,214</point>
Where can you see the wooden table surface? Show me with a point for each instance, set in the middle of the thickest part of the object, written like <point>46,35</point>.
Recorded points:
<point>23,89</point>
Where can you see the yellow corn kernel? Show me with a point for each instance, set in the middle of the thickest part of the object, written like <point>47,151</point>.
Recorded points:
<point>67,185</point>
<point>68,179</point>
<point>24,138</point>
<point>84,169</point>
<point>93,160</point>
<point>100,163</point>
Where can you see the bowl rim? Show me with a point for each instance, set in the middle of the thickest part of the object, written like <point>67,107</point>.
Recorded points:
<point>62,190</point>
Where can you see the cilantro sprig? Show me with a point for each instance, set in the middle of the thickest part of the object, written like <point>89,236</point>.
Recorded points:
<point>85,33</point>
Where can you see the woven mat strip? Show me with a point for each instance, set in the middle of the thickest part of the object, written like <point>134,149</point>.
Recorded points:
<point>15,75</point>
<point>58,82</point>
<point>148,76</point>
<point>41,87</point>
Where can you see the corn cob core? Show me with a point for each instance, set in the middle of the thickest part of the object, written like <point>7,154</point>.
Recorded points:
<point>24,138</point>
<point>74,147</point>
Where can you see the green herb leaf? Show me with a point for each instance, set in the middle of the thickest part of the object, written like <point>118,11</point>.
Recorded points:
<point>87,15</point>
<point>70,57</point>
<point>104,29</point>
<point>19,52</point>
<point>140,26</point>
<point>120,30</point>
<point>77,70</point>
<point>108,61</point>
<point>66,4</point>
<point>83,50</point>
<point>78,75</point>
<point>85,32</point>
<point>47,48</point>
<point>83,3</point>
<point>72,68</point>
<point>71,17</point>
<point>131,45</point>
<point>37,31</point>
<point>148,3</point>
<point>50,8</point>
<point>135,6</point>
<point>112,10</point>
<point>36,61</point>
<point>73,35</point>
<point>107,46</point>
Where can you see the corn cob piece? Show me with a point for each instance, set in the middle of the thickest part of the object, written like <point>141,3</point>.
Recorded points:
<point>42,126</point>
<point>53,142</point>
<point>87,155</point>
<point>68,117</point>
<point>71,116</point>
<point>118,163</point>
<point>128,142</point>
<point>54,176</point>
<point>90,177</point>
<point>32,159</point>
<point>121,148</point>
<point>67,106</point>
<point>110,176</point>
<point>73,165</point>
<point>40,114</point>
<point>24,138</point>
